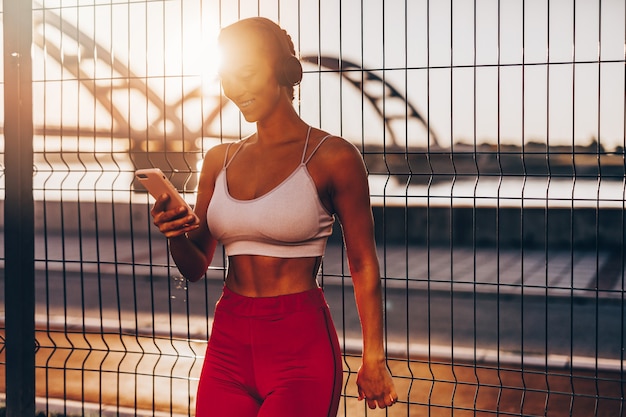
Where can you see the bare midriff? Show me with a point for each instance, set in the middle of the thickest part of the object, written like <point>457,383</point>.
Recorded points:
<point>266,276</point>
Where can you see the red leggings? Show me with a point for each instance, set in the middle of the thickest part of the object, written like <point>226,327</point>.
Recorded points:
<point>271,357</point>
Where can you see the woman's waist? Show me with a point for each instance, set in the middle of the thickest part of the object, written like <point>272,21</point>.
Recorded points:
<point>237,304</point>
<point>262,276</point>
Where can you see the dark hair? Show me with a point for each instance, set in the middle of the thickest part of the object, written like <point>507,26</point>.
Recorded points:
<point>287,67</point>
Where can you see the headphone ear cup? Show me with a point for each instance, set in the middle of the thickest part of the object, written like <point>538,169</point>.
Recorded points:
<point>290,72</point>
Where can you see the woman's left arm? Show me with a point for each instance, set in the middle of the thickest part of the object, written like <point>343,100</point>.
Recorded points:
<point>349,192</point>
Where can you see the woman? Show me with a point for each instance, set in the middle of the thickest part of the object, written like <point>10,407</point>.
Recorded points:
<point>271,200</point>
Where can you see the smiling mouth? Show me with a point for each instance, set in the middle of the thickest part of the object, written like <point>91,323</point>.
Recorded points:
<point>245,103</point>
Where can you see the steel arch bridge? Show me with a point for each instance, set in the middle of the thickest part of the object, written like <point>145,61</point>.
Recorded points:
<point>81,67</point>
<point>361,78</point>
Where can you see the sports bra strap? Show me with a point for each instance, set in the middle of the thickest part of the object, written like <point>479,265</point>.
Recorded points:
<point>306,145</point>
<point>226,161</point>
<point>303,161</point>
<point>314,150</point>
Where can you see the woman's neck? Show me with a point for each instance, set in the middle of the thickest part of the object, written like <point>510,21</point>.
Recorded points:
<point>281,125</point>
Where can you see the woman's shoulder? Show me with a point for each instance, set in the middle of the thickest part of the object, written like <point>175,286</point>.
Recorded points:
<point>217,155</point>
<point>337,149</point>
<point>215,159</point>
<point>336,159</point>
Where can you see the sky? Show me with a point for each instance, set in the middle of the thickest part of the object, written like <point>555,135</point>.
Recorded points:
<point>485,71</point>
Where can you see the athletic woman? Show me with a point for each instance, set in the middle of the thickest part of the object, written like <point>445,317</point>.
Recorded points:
<point>271,199</point>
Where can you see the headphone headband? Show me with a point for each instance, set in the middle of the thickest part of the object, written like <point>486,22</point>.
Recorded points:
<point>288,67</point>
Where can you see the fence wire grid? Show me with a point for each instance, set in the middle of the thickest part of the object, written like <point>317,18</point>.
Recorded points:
<point>493,134</point>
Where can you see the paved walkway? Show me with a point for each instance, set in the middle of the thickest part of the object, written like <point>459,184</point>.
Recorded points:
<point>506,271</point>
<point>484,270</point>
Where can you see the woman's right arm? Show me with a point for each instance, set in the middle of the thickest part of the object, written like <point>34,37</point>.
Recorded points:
<point>191,245</point>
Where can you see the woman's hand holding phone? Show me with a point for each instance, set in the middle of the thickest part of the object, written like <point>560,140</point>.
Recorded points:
<point>170,212</point>
<point>173,222</point>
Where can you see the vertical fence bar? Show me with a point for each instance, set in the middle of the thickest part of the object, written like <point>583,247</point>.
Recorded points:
<point>19,243</point>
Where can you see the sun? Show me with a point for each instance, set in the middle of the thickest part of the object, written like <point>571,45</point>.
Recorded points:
<point>200,50</point>
<point>210,56</point>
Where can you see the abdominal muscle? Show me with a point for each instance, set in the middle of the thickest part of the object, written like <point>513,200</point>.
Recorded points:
<point>266,276</point>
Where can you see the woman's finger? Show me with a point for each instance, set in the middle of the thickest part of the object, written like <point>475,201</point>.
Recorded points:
<point>160,205</point>
<point>390,400</point>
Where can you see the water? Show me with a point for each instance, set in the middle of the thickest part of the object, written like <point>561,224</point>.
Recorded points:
<point>113,183</point>
<point>512,191</point>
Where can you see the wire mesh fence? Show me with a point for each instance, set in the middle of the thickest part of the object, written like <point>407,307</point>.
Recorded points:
<point>494,137</point>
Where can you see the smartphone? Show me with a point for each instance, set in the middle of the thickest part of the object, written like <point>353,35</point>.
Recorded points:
<point>157,183</point>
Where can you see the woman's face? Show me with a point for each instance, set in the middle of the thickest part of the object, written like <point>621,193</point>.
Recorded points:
<point>247,73</point>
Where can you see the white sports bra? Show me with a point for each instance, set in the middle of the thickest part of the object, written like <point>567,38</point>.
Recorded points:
<point>287,222</point>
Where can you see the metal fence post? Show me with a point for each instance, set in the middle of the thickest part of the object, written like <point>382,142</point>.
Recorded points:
<point>19,245</point>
